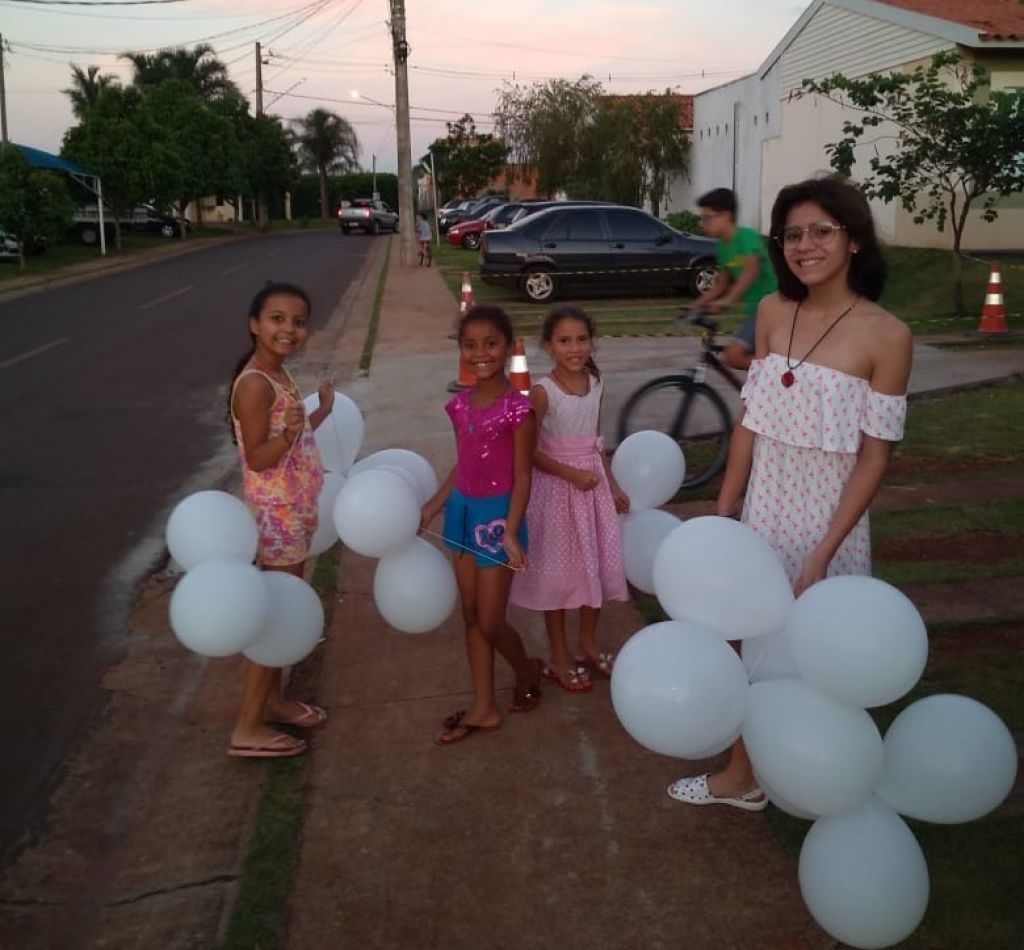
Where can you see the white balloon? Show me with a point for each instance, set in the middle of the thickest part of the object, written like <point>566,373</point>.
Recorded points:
<point>209,525</point>
<point>768,658</point>
<point>415,590</point>
<point>679,689</point>
<point>404,474</point>
<point>781,803</point>
<point>723,575</point>
<point>326,534</point>
<point>822,755</point>
<point>219,607</point>
<point>376,513</point>
<point>642,534</point>
<point>858,640</point>
<point>948,759</point>
<point>412,462</point>
<point>649,467</point>
<point>340,436</point>
<point>863,877</point>
<point>294,622</point>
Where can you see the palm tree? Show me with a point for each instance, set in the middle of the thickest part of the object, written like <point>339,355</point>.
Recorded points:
<point>198,66</point>
<point>86,85</point>
<point>326,142</point>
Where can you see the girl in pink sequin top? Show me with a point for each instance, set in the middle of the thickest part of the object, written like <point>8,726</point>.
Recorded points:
<point>484,500</point>
<point>824,403</point>
<point>282,475</point>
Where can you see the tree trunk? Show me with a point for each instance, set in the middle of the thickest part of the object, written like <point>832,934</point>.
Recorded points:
<point>179,207</point>
<point>323,192</point>
<point>959,223</point>
<point>117,233</point>
<point>21,255</point>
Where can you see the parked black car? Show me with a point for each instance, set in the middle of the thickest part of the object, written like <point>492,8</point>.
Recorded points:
<point>595,248</point>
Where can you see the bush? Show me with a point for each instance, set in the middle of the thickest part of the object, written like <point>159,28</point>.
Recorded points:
<point>685,221</point>
<point>306,192</point>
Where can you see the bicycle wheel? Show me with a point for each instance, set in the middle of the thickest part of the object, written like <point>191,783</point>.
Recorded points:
<point>691,413</point>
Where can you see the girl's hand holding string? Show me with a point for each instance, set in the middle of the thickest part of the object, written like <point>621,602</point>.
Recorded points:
<point>583,480</point>
<point>516,555</point>
<point>815,569</point>
<point>621,500</point>
<point>294,420</point>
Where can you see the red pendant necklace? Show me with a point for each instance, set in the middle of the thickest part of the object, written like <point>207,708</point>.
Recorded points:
<point>787,377</point>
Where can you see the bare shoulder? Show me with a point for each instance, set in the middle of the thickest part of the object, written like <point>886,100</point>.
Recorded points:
<point>253,389</point>
<point>891,347</point>
<point>774,307</point>
<point>888,332</point>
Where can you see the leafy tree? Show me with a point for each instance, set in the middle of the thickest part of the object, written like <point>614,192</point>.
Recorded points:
<point>326,142</point>
<point>116,139</point>
<point>663,146</point>
<point>466,160</point>
<point>34,204</point>
<point>198,67</point>
<point>198,151</point>
<point>955,143</point>
<point>547,126</point>
<point>86,85</point>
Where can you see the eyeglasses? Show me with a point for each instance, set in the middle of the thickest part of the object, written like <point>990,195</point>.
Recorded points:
<point>710,216</point>
<point>821,232</point>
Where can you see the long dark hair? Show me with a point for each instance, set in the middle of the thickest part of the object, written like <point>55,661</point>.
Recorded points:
<point>488,313</point>
<point>268,290</point>
<point>846,203</point>
<point>547,330</point>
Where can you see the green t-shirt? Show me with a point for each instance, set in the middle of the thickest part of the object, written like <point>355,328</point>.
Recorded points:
<point>732,257</point>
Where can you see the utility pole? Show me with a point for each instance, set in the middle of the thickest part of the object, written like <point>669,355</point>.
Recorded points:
<point>400,47</point>
<point>261,199</point>
<point>3,96</point>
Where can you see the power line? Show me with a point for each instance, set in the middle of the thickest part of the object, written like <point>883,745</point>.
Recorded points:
<point>97,3</point>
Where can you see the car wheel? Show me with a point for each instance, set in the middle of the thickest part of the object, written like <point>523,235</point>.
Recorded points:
<point>375,227</point>
<point>539,285</point>
<point>168,230</point>
<point>89,235</point>
<point>703,277</point>
<point>471,241</point>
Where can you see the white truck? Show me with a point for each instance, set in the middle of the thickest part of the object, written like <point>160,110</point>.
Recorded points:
<point>366,214</point>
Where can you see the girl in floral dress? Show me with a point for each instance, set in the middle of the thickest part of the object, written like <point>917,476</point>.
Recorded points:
<point>576,543</point>
<point>824,403</point>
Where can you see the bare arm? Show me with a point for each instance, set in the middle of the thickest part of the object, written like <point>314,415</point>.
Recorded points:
<point>323,410</point>
<point>433,507</point>
<point>524,437</point>
<point>253,399</point>
<point>891,375</point>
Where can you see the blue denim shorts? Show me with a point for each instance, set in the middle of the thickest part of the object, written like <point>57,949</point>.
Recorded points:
<point>477,526</point>
<point>745,333</point>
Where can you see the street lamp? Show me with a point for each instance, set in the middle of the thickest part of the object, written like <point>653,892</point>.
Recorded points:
<point>356,94</point>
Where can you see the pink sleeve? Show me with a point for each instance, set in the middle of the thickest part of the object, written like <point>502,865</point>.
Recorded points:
<point>519,407</point>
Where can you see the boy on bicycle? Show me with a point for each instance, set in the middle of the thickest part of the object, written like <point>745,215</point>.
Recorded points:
<point>745,272</point>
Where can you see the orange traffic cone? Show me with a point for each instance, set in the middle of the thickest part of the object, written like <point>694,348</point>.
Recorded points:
<point>468,299</point>
<point>993,313</point>
<point>519,373</point>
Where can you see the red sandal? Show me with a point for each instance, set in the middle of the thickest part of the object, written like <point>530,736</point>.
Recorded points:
<point>577,680</point>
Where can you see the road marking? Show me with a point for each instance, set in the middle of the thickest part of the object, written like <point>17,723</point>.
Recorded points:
<point>234,268</point>
<point>276,250</point>
<point>166,297</point>
<point>14,360</point>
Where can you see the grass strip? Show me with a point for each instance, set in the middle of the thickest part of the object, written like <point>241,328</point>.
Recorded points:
<point>259,918</point>
<point>366,357</point>
<point>1004,516</point>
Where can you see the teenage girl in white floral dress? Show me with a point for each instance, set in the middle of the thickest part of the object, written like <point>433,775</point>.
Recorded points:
<point>823,404</point>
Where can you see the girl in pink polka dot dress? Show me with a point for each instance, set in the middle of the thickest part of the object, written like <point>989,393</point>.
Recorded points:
<point>575,541</point>
<point>824,402</point>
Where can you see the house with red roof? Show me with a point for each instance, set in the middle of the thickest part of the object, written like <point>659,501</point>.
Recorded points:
<point>761,132</point>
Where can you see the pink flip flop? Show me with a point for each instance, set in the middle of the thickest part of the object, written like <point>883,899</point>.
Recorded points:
<point>310,717</point>
<point>280,746</point>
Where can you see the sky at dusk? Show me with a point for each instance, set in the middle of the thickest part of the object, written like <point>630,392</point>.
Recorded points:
<point>320,52</point>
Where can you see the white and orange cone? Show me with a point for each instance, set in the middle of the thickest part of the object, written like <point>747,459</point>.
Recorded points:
<point>468,299</point>
<point>519,372</point>
<point>993,313</point>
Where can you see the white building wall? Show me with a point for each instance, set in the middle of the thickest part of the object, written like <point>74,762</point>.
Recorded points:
<point>731,123</point>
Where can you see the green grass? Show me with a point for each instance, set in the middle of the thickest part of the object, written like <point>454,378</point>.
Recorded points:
<point>1005,516</point>
<point>366,356</point>
<point>259,918</point>
<point>923,572</point>
<point>920,289</point>
<point>976,424</point>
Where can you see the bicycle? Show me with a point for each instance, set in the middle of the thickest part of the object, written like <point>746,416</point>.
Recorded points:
<point>687,409</point>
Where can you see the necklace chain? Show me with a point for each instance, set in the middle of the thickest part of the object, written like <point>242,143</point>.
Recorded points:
<point>787,377</point>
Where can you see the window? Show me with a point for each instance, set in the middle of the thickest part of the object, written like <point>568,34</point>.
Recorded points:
<point>557,230</point>
<point>585,226</point>
<point>633,226</point>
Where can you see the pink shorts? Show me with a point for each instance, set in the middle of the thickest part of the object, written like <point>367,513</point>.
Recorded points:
<point>285,533</point>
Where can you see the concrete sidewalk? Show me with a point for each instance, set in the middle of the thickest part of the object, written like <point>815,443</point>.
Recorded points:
<point>554,832</point>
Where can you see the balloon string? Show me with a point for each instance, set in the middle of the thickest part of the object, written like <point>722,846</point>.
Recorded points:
<point>755,665</point>
<point>472,551</point>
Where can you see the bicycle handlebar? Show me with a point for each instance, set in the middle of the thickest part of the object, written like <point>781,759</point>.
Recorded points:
<point>700,319</point>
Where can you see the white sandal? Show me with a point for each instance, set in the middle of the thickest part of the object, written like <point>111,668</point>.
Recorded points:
<point>695,791</point>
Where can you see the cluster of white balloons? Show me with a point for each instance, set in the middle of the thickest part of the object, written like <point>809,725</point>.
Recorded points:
<point>224,604</point>
<point>650,468</point>
<point>377,514</point>
<point>810,669</point>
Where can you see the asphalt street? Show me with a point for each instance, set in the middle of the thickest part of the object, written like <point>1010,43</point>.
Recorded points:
<point>112,395</point>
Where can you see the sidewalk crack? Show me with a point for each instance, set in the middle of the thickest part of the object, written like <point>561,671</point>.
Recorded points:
<point>160,892</point>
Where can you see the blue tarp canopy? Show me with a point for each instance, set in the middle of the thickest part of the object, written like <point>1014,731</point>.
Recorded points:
<point>37,158</point>
<point>55,163</point>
